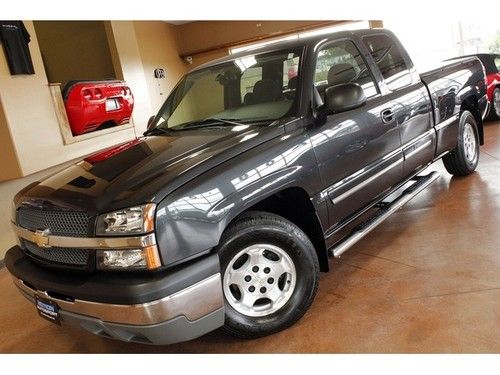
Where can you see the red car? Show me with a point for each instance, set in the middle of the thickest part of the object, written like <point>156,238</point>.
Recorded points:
<point>91,105</point>
<point>491,64</point>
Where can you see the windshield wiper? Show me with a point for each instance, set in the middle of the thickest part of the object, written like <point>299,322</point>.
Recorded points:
<point>155,130</point>
<point>208,122</point>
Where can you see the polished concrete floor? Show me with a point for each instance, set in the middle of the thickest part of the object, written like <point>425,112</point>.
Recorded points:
<point>425,281</point>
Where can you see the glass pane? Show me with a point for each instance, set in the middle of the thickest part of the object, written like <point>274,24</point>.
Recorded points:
<point>252,88</point>
<point>342,62</point>
<point>389,60</point>
<point>249,78</point>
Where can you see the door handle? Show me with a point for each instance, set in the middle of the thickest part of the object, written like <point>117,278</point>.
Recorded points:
<point>387,116</point>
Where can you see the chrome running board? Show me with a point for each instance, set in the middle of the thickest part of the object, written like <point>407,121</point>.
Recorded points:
<point>385,210</point>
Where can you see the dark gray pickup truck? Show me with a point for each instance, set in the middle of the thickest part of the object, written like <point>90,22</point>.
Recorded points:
<point>227,209</point>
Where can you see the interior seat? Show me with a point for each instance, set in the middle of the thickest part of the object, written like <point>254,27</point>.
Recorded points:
<point>266,90</point>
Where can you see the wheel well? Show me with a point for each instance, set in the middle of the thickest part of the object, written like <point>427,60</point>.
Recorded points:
<point>471,104</point>
<point>294,204</point>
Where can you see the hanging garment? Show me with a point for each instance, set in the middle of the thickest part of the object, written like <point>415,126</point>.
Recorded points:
<point>15,38</point>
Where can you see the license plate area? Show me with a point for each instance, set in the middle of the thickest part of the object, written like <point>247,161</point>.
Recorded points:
<point>47,310</point>
<point>112,104</point>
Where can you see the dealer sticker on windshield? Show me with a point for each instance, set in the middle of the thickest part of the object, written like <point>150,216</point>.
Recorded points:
<point>47,310</point>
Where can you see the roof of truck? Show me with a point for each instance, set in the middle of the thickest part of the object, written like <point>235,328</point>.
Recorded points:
<point>302,42</point>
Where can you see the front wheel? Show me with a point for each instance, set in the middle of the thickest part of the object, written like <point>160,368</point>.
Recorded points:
<point>463,160</point>
<point>270,274</point>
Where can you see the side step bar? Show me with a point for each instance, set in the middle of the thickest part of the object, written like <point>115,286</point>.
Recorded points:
<point>386,210</point>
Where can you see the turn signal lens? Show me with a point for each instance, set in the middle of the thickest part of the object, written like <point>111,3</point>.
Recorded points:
<point>97,93</point>
<point>135,259</point>
<point>87,94</point>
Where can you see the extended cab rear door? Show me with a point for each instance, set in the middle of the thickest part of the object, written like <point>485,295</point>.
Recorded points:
<point>407,96</point>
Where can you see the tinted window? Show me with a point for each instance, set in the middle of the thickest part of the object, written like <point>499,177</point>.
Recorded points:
<point>341,62</point>
<point>248,80</point>
<point>497,63</point>
<point>389,60</point>
<point>248,89</point>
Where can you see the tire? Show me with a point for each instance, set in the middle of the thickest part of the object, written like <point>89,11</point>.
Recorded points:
<point>273,256</point>
<point>463,159</point>
<point>495,105</point>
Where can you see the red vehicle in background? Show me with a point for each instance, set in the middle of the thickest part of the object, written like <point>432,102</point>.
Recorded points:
<point>92,105</point>
<point>491,63</point>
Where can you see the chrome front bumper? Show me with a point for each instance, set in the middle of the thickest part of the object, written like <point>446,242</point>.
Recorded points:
<point>193,302</point>
<point>182,316</point>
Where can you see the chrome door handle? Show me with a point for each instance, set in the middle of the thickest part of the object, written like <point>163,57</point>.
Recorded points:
<point>387,116</point>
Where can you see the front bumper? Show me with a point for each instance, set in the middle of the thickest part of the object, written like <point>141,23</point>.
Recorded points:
<point>183,304</point>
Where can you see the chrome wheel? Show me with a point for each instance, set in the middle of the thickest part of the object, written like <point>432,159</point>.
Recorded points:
<point>259,280</point>
<point>496,102</point>
<point>470,143</point>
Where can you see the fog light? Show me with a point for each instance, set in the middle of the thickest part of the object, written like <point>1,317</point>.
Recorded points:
<point>135,259</point>
<point>121,259</point>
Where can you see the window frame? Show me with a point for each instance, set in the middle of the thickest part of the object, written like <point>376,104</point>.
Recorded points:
<point>326,43</point>
<point>408,62</point>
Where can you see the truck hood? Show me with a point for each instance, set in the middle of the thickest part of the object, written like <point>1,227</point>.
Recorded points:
<point>143,170</point>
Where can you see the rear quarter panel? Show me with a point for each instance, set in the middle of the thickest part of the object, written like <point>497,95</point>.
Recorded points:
<point>449,86</point>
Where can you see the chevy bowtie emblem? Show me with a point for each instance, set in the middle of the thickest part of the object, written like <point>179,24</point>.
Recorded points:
<point>41,238</point>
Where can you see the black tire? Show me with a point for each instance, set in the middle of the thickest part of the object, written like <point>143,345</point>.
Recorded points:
<point>495,105</point>
<point>459,161</point>
<point>257,227</point>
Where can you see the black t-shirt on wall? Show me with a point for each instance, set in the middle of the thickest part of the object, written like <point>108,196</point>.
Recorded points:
<point>15,38</point>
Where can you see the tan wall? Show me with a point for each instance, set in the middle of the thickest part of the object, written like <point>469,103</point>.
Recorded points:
<point>158,48</point>
<point>128,65</point>
<point>32,122</point>
<point>202,58</point>
<point>202,35</point>
<point>10,167</point>
<point>74,50</point>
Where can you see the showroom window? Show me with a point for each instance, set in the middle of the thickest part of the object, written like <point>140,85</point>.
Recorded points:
<point>345,64</point>
<point>389,60</point>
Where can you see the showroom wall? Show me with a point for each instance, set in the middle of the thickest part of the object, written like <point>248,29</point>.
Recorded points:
<point>32,122</point>
<point>30,132</point>
<point>81,51</point>
<point>158,47</point>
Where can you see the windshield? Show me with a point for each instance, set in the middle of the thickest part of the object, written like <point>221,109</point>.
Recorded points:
<point>250,89</point>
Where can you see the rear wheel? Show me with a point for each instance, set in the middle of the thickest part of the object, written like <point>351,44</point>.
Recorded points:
<point>495,105</point>
<point>270,274</point>
<point>463,160</point>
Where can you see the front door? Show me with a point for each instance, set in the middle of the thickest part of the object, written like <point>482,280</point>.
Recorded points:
<point>358,151</point>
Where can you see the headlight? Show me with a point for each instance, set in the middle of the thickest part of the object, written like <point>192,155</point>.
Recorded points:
<point>133,220</point>
<point>135,259</point>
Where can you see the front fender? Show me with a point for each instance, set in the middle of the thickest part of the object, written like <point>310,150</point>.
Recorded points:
<point>191,220</point>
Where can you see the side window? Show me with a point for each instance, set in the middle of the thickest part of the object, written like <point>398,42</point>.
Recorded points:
<point>290,71</point>
<point>389,60</point>
<point>341,62</point>
<point>248,80</point>
<point>497,63</point>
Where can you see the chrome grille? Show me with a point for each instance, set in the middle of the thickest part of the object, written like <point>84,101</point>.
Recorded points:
<point>60,223</point>
<point>61,255</point>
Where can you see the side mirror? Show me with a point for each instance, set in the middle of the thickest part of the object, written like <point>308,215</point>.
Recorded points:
<point>344,97</point>
<point>151,121</point>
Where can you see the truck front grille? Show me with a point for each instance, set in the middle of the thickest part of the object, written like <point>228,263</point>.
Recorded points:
<point>59,255</point>
<point>60,223</point>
